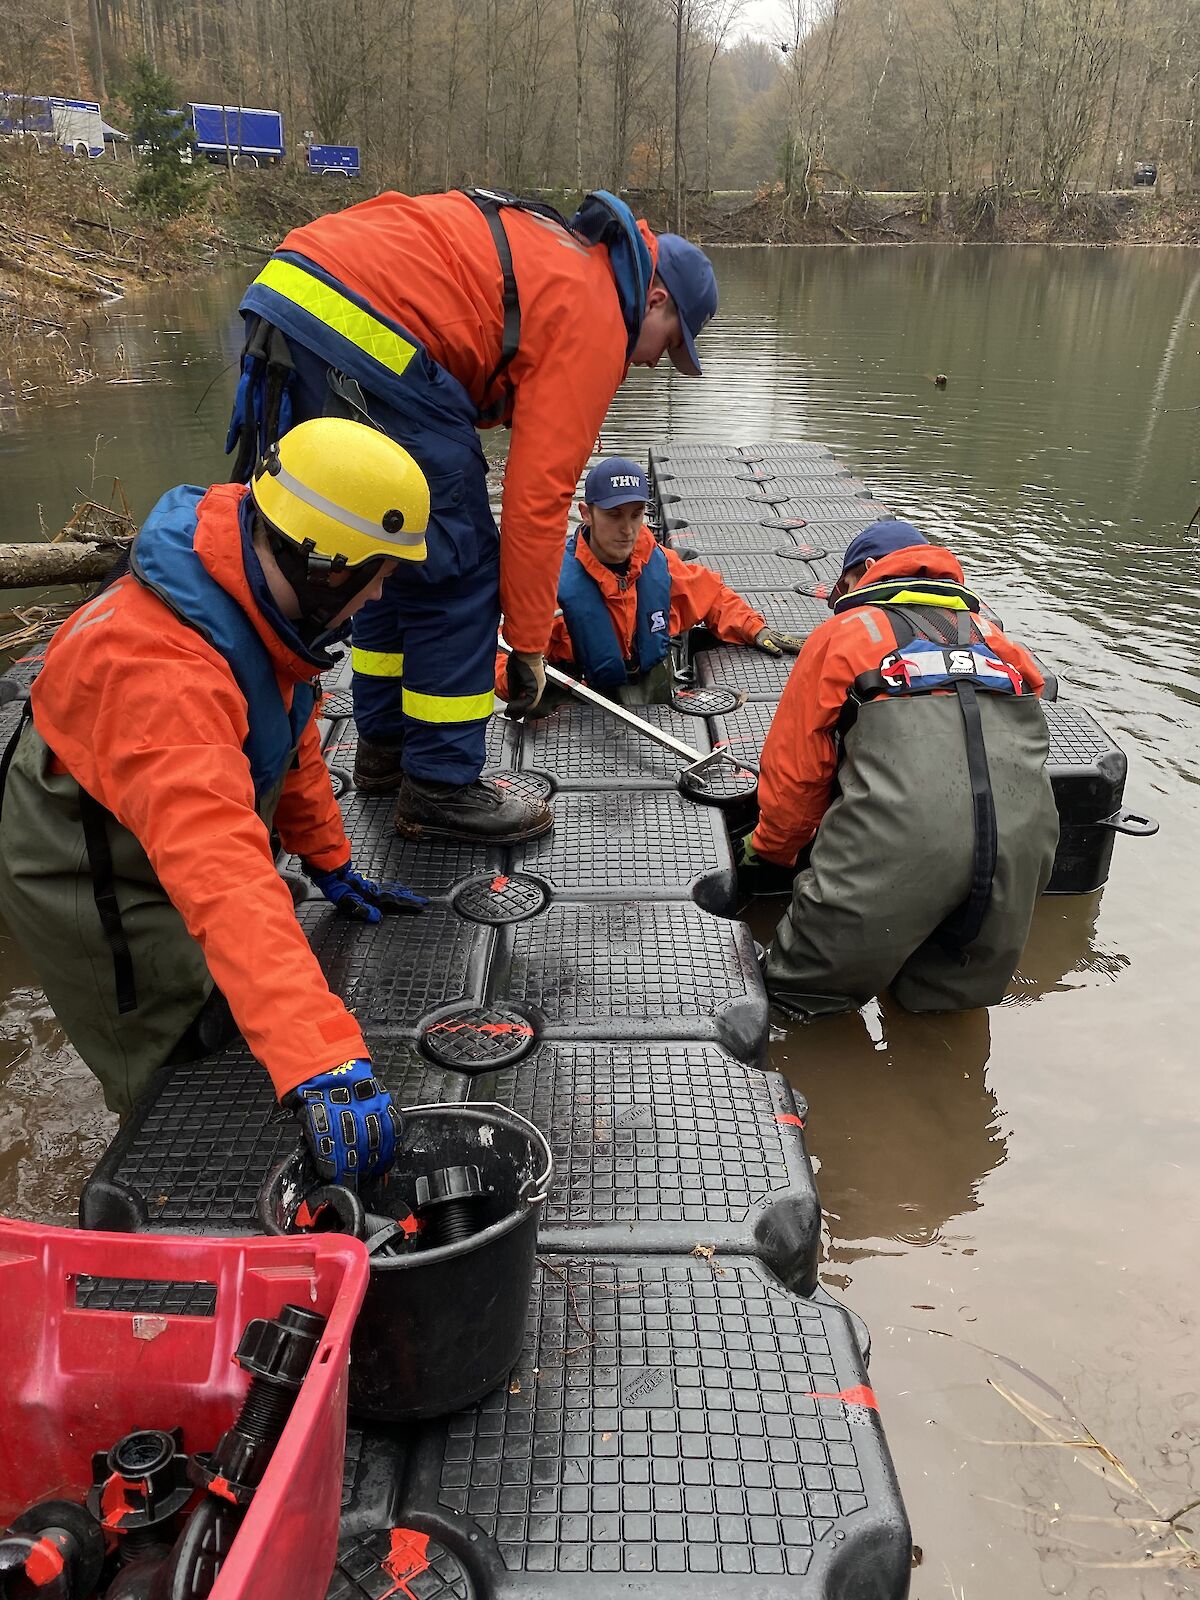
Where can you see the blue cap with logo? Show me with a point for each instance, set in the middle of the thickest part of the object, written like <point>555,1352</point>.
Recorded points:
<point>692,284</point>
<point>879,540</point>
<point>615,481</point>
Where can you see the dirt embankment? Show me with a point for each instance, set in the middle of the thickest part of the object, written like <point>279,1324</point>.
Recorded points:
<point>70,236</point>
<point>851,217</point>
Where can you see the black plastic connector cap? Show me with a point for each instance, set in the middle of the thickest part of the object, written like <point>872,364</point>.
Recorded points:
<point>282,1348</point>
<point>448,1183</point>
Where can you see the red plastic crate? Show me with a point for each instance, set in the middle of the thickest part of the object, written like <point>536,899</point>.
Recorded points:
<point>75,1379</point>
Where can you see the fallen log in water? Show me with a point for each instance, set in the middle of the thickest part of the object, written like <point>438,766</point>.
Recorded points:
<point>33,566</point>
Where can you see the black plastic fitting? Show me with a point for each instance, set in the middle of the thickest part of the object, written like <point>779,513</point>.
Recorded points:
<point>66,1528</point>
<point>449,1203</point>
<point>138,1487</point>
<point>277,1353</point>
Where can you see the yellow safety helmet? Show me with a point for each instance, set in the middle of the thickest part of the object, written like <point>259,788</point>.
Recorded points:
<point>344,493</point>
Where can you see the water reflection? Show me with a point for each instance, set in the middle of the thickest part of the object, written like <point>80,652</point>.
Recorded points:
<point>903,1124</point>
<point>905,1121</point>
<point>1063,944</point>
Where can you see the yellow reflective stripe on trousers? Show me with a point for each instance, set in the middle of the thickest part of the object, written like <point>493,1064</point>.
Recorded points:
<point>448,707</point>
<point>377,663</point>
<point>342,315</point>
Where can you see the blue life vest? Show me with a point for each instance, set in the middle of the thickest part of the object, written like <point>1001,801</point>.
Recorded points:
<point>604,219</point>
<point>934,650</point>
<point>925,665</point>
<point>164,559</point>
<point>594,641</point>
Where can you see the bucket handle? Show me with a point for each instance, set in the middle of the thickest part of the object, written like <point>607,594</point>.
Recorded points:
<point>533,1190</point>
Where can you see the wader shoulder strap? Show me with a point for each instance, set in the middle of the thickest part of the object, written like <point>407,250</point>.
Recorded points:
<point>10,748</point>
<point>94,819</point>
<point>961,927</point>
<point>491,206</point>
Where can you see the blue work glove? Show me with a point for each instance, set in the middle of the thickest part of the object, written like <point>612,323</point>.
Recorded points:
<point>349,1122</point>
<point>358,897</point>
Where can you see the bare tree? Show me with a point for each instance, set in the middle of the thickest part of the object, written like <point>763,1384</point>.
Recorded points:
<point>581,20</point>
<point>717,17</point>
<point>631,63</point>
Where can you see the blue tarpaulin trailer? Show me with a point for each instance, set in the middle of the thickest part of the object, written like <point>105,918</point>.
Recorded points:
<point>243,135</point>
<point>341,158</point>
<point>73,124</point>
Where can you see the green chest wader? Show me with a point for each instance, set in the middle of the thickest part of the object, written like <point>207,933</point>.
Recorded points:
<point>124,977</point>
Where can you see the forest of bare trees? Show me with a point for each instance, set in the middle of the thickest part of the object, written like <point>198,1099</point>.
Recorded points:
<point>985,98</point>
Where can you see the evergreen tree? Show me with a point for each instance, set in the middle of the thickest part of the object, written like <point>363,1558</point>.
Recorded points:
<point>167,183</point>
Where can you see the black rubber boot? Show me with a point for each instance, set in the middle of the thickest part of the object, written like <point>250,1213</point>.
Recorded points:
<point>478,810</point>
<point>377,767</point>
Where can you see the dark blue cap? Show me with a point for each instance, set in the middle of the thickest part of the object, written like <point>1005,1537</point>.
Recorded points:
<point>615,481</point>
<point>879,540</point>
<point>692,284</point>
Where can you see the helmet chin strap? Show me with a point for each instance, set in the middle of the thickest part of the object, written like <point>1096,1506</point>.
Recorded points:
<point>319,601</point>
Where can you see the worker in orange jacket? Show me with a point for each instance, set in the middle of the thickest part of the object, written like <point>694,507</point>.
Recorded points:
<point>908,755</point>
<point>172,729</point>
<point>433,316</point>
<point>623,596</point>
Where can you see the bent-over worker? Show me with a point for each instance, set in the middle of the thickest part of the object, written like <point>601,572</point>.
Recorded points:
<point>436,315</point>
<point>172,728</point>
<point>909,750</point>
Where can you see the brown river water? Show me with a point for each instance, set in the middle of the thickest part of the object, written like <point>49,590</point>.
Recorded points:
<point>1012,1198</point>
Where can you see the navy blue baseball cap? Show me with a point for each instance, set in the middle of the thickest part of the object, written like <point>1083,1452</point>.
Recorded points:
<point>880,539</point>
<point>615,481</point>
<point>692,284</point>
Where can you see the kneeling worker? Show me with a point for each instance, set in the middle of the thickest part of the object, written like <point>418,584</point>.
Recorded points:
<point>172,728</point>
<point>622,596</point>
<point>909,750</point>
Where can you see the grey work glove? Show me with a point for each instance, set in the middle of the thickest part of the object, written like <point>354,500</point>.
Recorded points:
<point>773,643</point>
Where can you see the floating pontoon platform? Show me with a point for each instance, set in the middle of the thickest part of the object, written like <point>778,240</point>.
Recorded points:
<point>691,1414</point>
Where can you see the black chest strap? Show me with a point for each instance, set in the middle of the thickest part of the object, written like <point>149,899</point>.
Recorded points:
<point>961,927</point>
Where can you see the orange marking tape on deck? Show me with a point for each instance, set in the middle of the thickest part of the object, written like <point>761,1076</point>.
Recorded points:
<point>481,1027</point>
<point>499,885</point>
<point>860,1396</point>
<point>408,1559</point>
<point>790,1119</point>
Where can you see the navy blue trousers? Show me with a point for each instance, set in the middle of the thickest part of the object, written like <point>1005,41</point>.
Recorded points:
<point>424,655</point>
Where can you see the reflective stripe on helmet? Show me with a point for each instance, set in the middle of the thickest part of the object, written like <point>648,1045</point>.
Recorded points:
<point>339,514</point>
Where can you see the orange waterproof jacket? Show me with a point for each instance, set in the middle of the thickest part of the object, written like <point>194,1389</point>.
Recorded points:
<point>698,594</point>
<point>430,264</point>
<point>147,718</point>
<point>800,753</point>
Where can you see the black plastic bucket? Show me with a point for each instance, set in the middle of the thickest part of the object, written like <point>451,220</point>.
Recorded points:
<point>440,1326</point>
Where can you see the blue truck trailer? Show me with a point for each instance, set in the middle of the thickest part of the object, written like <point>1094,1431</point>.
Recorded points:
<point>340,158</point>
<point>241,136</point>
